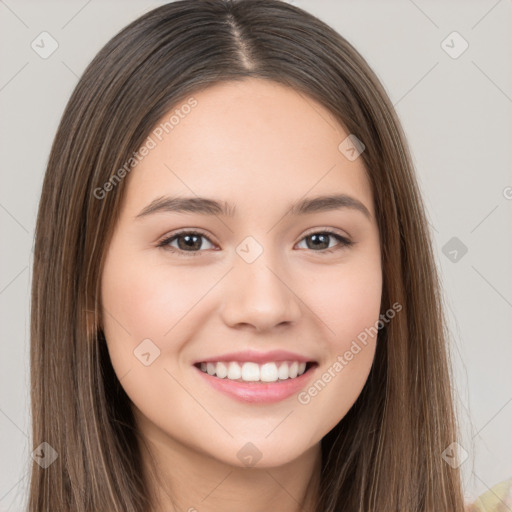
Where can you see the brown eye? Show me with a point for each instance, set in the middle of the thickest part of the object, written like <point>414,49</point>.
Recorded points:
<point>319,241</point>
<point>190,243</point>
<point>187,241</point>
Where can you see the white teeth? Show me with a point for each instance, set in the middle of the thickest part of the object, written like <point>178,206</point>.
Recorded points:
<point>210,368</point>
<point>234,371</point>
<point>282,373</point>
<point>250,372</point>
<point>268,372</point>
<point>221,370</point>
<point>253,372</point>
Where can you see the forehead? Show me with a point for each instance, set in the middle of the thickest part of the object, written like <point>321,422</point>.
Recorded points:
<point>252,142</point>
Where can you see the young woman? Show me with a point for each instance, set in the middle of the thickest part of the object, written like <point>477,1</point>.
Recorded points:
<point>235,301</point>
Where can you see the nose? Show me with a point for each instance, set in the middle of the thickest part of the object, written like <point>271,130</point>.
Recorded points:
<point>259,296</point>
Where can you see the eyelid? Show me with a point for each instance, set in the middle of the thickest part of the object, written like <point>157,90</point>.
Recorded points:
<point>332,231</point>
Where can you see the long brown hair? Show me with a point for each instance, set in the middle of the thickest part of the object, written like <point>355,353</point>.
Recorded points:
<point>385,454</point>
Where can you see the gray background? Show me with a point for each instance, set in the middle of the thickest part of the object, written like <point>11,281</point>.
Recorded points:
<point>456,113</point>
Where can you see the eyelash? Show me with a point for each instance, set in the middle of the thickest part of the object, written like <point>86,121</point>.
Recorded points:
<point>164,244</point>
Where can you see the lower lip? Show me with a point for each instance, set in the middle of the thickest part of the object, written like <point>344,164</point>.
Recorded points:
<point>259,392</point>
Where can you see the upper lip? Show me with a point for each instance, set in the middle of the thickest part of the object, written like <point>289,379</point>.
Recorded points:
<point>258,357</point>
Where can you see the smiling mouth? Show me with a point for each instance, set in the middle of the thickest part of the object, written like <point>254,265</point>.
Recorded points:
<point>278,371</point>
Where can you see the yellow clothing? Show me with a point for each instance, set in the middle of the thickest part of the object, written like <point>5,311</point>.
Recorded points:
<point>496,499</point>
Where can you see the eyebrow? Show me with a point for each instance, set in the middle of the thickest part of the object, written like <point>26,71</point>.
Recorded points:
<point>205,206</point>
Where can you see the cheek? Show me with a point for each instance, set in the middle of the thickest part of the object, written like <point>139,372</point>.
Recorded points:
<point>348,300</point>
<point>139,305</point>
<point>144,301</point>
<point>348,303</point>
<point>147,300</point>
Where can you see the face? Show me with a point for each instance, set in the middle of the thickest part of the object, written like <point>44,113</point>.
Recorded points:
<point>264,282</point>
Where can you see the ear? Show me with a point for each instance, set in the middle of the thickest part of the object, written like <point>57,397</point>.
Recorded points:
<point>93,312</point>
<point>94,325</point>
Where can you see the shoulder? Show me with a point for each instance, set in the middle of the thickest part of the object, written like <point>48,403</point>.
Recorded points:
<point>496,499</point>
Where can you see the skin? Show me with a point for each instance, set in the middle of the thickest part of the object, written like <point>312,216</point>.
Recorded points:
<point>261,146</point>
